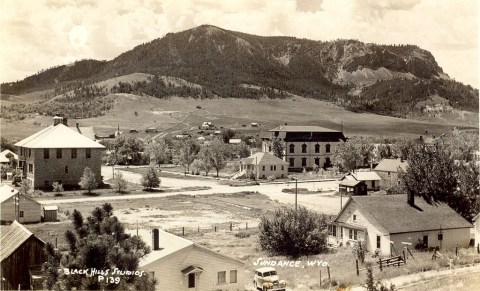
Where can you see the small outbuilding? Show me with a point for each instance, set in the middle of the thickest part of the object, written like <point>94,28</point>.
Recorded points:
<point>371,179</point>
<point>353,187</point>
<point>50,213</point>
<point>18,207</point>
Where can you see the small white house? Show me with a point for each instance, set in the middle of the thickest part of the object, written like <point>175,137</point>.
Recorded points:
<point>476,223</point>
<point>263,165</point>
<point>388,223</point>
<point>179,264</point>
<point>5,160</point>
<point>15,206</point>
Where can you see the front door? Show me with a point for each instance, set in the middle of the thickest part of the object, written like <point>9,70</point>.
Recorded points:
<point>425,241</point>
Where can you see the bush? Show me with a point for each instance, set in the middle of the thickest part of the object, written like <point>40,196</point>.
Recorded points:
<point>359,251</point>
<point>271,178</point>
<point>242,234</point>
<point>88,180</point>
<point>293,234</point>
<point>371,285</point>
<point>57,187</point>
<point>150,179</point>
<point>119,183</point>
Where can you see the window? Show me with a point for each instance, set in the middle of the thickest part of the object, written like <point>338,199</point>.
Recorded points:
<point>292,162</point>
<point>88,153</point>
<point>304,148</point>
<point>21,213</point>
<point>263,168</point>
<point>352,234</point>
<point>389,174</point>
<point>30,168</point>
<point>327,162</point>
<point>66,169</point>
<point>269,148</point>
<point>317,148</point>
<point>317,161</point>
<point>440,236</point>
<point>354,217</point>
<point>332,230</point>
<point>233,276</point>
<point>304,162</point>
<point>379,239</point>
<point>292,148</point>
<point>191,280</point>
<point>283,167</point>
<point>59,153</point>
<point>74,153</point>
<point>327,148</point>
<point>221,276</point>
<point>29,153</point>
<point>271,168</point>
<point>275,168</point>
<point>46,153</point>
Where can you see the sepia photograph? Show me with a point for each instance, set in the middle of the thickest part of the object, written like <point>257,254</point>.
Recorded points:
<point>239,145</point>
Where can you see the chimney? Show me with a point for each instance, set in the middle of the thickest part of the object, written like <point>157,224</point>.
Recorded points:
<point>155,239</point>
<point>65,121</point>
<point>411,198</point>
<point>57,120</point>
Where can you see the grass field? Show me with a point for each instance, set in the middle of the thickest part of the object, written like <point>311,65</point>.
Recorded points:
<point>175,114</point>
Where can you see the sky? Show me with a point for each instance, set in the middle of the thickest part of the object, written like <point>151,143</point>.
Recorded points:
<point>39,34</point>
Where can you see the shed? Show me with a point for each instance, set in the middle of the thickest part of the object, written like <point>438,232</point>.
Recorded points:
<point>21,252</point>
<point>353,187</point>
<point>50,213</point>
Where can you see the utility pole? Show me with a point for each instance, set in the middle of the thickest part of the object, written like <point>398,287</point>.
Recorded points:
<point>296,193</point>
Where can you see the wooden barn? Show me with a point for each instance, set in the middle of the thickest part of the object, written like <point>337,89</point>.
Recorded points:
<point>21,252</point>
<point>27,211</point>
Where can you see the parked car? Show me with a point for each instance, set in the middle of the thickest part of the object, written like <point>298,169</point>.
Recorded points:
<point>266,278</point>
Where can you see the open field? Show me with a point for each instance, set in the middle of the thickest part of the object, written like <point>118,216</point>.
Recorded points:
<point>460,282</point>
<point>175,114</point>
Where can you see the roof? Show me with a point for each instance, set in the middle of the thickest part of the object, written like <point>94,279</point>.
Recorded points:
<point>363,176</point>
<point>12,238</point>
<point>169,244</point>
<point>234,140</point>
<point>350,183</point>
<point>3,156</point>
<point>262,158</point>
<point>50,207</point>
<point>393,214</point>
<point>391,165</point>
<point>303,128</point>
<point>87,131</point>
<point>6,192</point>
<point>58,136</point>
<point>476,217</point>
<point>265,269</point>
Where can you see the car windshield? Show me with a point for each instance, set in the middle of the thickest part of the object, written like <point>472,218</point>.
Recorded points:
<point>271,273</point>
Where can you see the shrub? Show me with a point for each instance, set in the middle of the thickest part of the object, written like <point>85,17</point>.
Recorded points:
<point>119,183</point>
<point>271,178</point>
<point>242,234</point>
<point>150,179</point>
<point>359,251</point>
<point>293,233</point>
<point>57,187</point>
<point>371,285</point>
<point>88,180</point>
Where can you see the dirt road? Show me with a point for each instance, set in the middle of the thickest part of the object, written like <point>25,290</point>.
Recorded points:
<point>324,202</point>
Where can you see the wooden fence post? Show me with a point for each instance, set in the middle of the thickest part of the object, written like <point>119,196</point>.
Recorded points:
<point>356,266</point>
<point>215,228</point>
<point>328,270</point>
<point>404,257</point>
<point>246,225</point>
<point>478,248</point>
<point>380,261</point>
<point>183,231</point>
<point>456,251</point>
<point>231,226</point>
<point>320,278</point>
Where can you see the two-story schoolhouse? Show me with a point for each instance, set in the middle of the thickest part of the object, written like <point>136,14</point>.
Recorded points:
<point>58,154</point>
<point>305,146</point>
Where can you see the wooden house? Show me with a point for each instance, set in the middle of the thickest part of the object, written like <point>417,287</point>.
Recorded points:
<point>18,207</point>
<point>180,264</point>
<point>388,170</point>
<point>371,179</point>
<point>20,253</point>
<point>347,187</point>
<point>388,223</point>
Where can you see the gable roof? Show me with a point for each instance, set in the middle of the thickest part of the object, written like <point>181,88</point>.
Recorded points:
<point>6,192</point>
<point>391,165</point>
<point>350,183</point>
<point>3,156</point>
<point>302,128</point>
<point>58,136</point>
<point>263,158</point>
<point>362,176</point>
<point>169,244</point>
<point>87,131</point>
<point>394,215</point>
<point>12,238</point>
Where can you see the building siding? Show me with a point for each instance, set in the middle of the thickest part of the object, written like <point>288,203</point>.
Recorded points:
<point>451,238</point>
<point>387,180</point>
<point>168,273</point>
<point>32,210</point>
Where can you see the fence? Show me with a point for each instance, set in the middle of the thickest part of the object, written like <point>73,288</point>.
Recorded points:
<point>387,262</point>
<point>224,227</point>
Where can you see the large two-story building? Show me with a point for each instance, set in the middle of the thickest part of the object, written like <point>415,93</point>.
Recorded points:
<point>305,146</point>
<point>58,154</point>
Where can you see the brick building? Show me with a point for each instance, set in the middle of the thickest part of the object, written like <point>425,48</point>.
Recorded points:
<point>58,154</point>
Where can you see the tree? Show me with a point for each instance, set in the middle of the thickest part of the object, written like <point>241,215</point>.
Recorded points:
<point>88,180</point>
<point>57,187</point>
<point>227,134</point>
<point>293,233</point>
<point>278,147</point>
<point>99,242</point>
<point>242,150</point>
<point>119,183</point>
<point>346,156</point>
<point>158,150</point>
<point>218,155</point>
<point>186,151</point>
<point>25,187</point>
<point>433,174</point>
<point>150,179</point>
<point>204,161</point>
